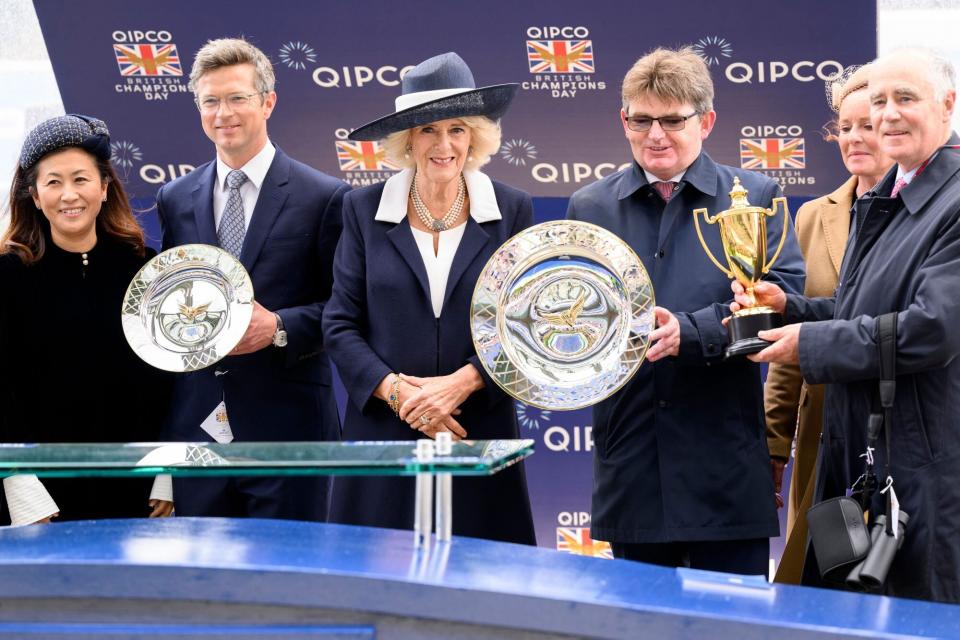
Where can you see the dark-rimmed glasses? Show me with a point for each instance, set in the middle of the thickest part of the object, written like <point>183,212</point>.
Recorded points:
<point>667,123</point>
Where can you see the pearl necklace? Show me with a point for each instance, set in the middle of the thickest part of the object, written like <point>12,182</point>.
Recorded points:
<point>427,218</point>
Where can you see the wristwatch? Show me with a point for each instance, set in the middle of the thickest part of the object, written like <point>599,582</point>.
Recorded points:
<point>280,336</point>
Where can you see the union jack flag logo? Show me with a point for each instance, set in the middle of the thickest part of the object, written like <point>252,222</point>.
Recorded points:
<point>772,153</point>
<point>560,56</point>
<point>363,156</point>
<point>148,59</point>
<point>577,540</point>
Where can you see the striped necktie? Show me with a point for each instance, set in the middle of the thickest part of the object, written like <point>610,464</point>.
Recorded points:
<point>665,189</point>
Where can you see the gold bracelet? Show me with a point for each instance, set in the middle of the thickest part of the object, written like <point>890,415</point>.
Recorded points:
<point>394,400</point>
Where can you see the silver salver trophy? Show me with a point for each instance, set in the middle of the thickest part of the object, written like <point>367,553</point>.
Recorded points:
<point>187,308</point>
<point>561,315</point>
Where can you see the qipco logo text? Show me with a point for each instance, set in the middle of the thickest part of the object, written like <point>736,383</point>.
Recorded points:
<point>777,71</point>
<point>136,36</point>
<point>771,131</point>
<point>551,33</point>
<point>575,172</point>
<point>359,76</point>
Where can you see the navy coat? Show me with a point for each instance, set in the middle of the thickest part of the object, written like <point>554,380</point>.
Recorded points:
<point>275,393</point>
<point>380,320</point>
<point>680,451</point>
<point>905,257</point>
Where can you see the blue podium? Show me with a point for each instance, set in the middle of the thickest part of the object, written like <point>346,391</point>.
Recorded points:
<point>224,578</point>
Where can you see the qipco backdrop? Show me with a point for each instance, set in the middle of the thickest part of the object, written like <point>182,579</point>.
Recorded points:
<point>339,65</point>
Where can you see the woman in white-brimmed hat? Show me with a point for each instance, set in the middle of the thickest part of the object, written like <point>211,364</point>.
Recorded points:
<point>397,324</point>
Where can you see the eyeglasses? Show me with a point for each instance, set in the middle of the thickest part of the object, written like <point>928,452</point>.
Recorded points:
<point>210,104</point>
<point>667,123</point>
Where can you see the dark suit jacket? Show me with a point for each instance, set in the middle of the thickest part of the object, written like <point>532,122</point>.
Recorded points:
<point>275,393</point>
<point>380,320</point>
<point>680,452</point>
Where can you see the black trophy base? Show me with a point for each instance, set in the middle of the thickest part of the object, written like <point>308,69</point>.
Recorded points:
<point>743,332</point>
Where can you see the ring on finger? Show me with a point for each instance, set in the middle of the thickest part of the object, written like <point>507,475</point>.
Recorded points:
<point>424,420</point>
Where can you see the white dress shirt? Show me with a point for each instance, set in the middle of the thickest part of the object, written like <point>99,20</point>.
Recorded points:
<point>256,170</point>
<point>438,265</point>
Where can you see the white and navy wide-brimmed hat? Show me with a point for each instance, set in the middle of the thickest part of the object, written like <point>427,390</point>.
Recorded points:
<point>439,88</point>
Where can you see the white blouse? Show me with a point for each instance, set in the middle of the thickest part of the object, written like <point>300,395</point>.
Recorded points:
<point>438,265</point>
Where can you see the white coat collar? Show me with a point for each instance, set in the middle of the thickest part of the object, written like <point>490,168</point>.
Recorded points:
<point>393,201</point>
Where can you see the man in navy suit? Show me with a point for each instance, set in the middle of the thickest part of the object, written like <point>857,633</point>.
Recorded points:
<point>282,220</point>
<point>681,470</point>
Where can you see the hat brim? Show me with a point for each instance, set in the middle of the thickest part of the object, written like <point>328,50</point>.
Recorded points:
<point>491,102</point>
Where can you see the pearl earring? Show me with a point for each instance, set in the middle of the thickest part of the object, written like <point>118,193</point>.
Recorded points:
<point>406,155</point>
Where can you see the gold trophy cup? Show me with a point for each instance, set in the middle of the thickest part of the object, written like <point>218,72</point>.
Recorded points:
<point>743,232</point>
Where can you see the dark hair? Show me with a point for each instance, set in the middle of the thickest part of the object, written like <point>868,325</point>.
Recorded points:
<point>26,237</point>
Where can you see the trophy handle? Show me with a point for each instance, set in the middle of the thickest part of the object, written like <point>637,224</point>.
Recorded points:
<point>696,223</point>
<point>782,203</point>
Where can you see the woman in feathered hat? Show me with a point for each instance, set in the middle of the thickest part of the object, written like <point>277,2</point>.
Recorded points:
<point>67,374</point>
<point>397,324</point>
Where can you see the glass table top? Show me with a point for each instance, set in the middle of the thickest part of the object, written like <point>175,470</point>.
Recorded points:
<point>468,457</point>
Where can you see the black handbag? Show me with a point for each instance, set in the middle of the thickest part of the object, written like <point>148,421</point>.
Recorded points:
<point>847,553</point>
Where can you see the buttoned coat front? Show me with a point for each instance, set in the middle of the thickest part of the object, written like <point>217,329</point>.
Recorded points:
<point>905,258</point>
<point>680,451</point>
<point>380,320</point>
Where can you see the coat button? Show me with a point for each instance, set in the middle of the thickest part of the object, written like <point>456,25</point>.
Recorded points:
<point>661,253</point>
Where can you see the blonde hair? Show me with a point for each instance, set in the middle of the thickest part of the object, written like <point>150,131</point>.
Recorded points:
<point>226,52</point>
<point>484,142</point>
<point>679,76</point>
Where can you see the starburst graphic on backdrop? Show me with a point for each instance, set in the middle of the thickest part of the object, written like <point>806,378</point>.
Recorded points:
<point>531,417</point>
<point>518,151</point>
<point>712,48</point>
<point>124,154</point>
<point>297,54</point>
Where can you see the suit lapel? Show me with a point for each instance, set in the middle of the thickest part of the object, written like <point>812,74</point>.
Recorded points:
<point>273,194</point>
<point>402,239</point>
<point>835,219</point>
<point>474,239</point>
<point>203,206</point>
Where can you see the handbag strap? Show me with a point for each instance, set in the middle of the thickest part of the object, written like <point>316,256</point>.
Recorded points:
<point>887,344</point>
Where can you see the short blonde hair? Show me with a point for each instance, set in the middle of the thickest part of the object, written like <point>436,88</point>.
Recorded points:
<point>484,142</point>
<point>672,76</point>
<point>226,52</point>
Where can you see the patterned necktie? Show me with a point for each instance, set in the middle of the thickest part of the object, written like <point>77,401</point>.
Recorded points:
<point>232,227</point>
<point>665,189</point>
<point>897,186</point>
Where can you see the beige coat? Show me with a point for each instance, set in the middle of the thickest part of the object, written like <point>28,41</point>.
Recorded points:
<point>793,406</point>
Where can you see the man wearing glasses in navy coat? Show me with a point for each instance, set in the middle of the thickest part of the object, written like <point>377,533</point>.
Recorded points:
<point>682,474</point>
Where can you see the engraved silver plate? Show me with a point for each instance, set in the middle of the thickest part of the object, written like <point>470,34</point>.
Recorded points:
<point>561,315</point>
<point>187,308</point>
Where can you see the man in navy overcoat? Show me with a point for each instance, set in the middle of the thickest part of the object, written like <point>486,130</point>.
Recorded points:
<point>903,256</point>
<point>682,471</point>
<point>282,220</point>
